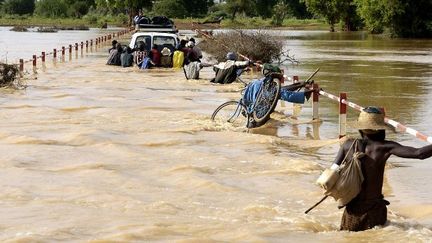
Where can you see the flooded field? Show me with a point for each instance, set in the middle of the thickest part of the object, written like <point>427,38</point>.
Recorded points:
<point>98,153</point>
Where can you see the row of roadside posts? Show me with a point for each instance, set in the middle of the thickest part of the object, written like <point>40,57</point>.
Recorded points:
<point>78,47</point>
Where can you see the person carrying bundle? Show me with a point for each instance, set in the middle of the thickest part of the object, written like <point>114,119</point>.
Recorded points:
<point>357,180</point>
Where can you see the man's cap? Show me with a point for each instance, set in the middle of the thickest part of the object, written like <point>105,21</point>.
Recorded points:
<point>231,56</point>
<point>371,118</point>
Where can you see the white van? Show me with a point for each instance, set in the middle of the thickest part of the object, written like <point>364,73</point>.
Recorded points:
<point>162,40</point>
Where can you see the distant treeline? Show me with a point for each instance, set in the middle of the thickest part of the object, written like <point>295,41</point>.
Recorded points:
<point>401,18</point>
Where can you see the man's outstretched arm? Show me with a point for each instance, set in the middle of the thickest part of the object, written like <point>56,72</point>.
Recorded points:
<point>410,152</point>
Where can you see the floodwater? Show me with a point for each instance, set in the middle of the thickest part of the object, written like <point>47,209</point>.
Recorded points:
<point>98,153</point>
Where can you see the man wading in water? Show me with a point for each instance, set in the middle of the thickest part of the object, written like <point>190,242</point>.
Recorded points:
<point>368,208</point>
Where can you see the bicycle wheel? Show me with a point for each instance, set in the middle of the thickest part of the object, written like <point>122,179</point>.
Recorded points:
<point>266,100</point>
<point>231,111</point>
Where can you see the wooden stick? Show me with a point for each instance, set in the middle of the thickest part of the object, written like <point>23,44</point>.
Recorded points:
<point>316,204</point>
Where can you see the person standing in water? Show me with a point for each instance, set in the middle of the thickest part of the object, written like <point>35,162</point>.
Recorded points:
<point>368,208</point>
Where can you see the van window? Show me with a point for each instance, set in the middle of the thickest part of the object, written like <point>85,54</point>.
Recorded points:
<point>165,41</point>
<point>146,39</point>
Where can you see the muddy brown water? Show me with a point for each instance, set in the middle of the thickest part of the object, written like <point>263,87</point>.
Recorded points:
<point>99,153</point>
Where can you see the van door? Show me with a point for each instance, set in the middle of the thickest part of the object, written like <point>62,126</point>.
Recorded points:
<point>165,41</point>
<point>146,39</point>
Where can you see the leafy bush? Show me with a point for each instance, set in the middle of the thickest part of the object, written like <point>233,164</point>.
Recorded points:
<point>19,7</point>
<point>91,19</point>
<point>8,74</point>
<point>78,9</point>
<point>280,11</point>
<point>51,8</point>
<point>170,8</point>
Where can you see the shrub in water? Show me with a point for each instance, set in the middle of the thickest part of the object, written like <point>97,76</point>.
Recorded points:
<point>256,45</point>
<point>8,74</point>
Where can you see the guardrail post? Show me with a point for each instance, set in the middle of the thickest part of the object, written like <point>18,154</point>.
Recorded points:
<point>342,115</point>
<point>315,102</point>
<point>76,47</point>
<point>82,50</point>
<point>63,51</point>
<point>21,65</point>
<point>34,60</point>
<point>43,56</point>
<point>54,53</point>
<point>70,49</point>
<point>34,63</point>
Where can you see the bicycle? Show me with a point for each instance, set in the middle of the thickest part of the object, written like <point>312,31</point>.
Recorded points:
<point>256,113</point>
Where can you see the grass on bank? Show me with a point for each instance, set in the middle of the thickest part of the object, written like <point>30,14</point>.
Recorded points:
<point>258,23</point>
<point>88,20</point>
<point>122,20</point>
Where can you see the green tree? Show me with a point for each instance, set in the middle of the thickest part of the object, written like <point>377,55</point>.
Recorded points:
<point>265,8</point>
<point>78,8</point>
<point>297,9</point>
<point>334,11</point>
<point>170,8</point>
<point>51,8</point>
<point>119,6</point>
<point>404,18</point>
<point>234,7</point>
<point>18,6</point>
<point>327,9</point>
<point>280,11</point>
<point>197,8</point>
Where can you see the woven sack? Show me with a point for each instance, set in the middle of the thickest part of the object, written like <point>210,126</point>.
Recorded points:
<point>350,179</point>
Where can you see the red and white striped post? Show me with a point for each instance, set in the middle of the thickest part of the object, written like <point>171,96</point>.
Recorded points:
<point>342,115</point>
<point>296,107</point>
<point>315,102</point>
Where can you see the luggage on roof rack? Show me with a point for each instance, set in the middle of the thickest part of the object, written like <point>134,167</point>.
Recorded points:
<point>156,24</point>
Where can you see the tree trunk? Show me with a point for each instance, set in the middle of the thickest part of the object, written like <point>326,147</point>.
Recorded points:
<point>234,14</point>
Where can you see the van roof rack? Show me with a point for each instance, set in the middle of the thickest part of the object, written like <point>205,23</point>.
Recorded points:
<point>156,28</point>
